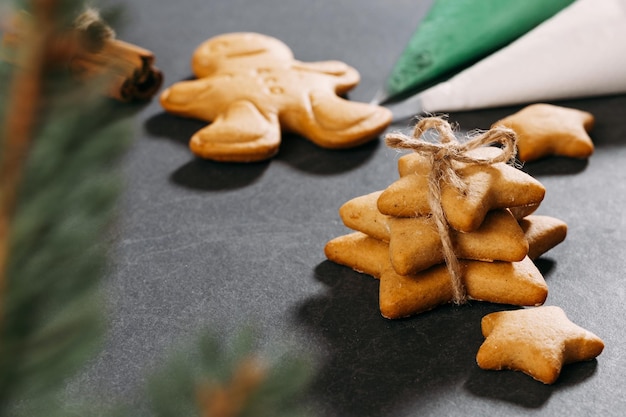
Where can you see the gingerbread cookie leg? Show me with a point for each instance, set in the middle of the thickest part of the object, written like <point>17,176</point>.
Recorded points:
<point>241,134</point>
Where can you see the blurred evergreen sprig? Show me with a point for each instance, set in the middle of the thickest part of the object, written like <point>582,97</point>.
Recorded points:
<point>51,307</point>
<point>218,379</point>
<point>51,318</point>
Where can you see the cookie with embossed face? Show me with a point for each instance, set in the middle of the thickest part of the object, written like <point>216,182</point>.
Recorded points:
<point>252,90</point>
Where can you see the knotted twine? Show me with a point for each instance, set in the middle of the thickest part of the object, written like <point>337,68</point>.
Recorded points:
<point>442,156</point>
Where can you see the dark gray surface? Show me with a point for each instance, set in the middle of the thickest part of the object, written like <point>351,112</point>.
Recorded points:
<point>203,244</point>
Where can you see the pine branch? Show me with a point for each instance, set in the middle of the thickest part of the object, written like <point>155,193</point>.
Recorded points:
<point>57,154</point>
<point>24,96</point>
<point>217,380</point>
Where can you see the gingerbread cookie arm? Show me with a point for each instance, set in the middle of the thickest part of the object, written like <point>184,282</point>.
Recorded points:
<point>344,76</point>
<point>182,99</point>
<point>240,134</point>
<point>334,123</point>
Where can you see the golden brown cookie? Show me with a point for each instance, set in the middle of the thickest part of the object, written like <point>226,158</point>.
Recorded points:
<point>252,89</point>
<point>415,244</point>
<point>543,233</point>
<point>488,187</point>
<point>359,252</point>
<point>516,283</point>
<point>545,129</point>
<point>522,211</point>
<point>369,255</point>
<point>361,213</point>
<point>536,341</point>
<point>366,254</point>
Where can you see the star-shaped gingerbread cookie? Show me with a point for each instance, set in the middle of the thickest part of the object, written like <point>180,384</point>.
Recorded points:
<point>415,243</point>
<point>252,89</point>
<point>544,231</point>
<point>370,255</point>
<point>488,187</point>
<point>517,283</point>
<point>545,129</point>
<point>537,341</point>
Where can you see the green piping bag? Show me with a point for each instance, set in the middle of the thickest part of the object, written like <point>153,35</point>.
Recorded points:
<point>577,53</point>
<point>457,33</point>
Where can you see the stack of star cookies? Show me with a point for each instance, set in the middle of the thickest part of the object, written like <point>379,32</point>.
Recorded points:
<point>494,235</point>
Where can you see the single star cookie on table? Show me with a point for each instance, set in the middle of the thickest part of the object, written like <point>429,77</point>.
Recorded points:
<point>536,341</point>
<point>545,129</point>
<point>415,243</point>
<point>252,89</point>
<point>488,187</point>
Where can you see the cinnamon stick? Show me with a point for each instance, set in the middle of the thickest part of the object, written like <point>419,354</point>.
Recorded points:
<point>128,69</point>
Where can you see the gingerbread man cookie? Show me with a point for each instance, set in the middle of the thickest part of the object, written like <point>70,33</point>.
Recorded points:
<point>252,89</point>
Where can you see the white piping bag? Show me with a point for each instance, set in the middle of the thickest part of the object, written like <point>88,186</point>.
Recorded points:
<point>580,52</point>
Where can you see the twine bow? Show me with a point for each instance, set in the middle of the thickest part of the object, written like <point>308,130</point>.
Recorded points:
<point>442,156</point>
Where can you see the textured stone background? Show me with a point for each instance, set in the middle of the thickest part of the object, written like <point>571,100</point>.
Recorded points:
<point>201,244</point>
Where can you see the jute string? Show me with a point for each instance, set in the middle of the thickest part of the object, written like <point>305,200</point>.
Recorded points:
<point>442,157</point>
